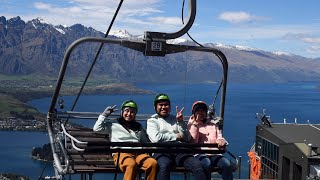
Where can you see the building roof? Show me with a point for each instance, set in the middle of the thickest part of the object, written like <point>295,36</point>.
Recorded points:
<point>296,133</point>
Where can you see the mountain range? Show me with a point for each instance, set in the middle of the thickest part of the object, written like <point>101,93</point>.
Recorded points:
<point>37,47</point>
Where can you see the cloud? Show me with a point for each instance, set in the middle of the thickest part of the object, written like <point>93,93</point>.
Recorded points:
<point>136,15</point>
<point>313,50</point>
<point>284,32</point>
<point>140,11</point>
<point>158,24</point>
<point>98,12</point>
<point>308,38</point>
<point>166,20</point>
<point>238,17</point>
<point>42,6</point>
<point>127,3</point>
<point>313,40</point>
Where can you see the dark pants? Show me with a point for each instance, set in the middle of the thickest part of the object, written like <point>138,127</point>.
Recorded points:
<point>167,161</point>
<point>217,161</point>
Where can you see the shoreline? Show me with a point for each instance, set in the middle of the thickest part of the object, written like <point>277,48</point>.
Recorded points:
<point>39,159</point>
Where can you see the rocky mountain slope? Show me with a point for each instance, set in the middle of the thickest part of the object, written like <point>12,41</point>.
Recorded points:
<point>37,47</point>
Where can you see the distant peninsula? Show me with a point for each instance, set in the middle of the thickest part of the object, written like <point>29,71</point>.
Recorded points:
<point>43,153</point>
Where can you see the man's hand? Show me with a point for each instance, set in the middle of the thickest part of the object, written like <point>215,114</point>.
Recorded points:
<point>179,115</point>
<point>109,110</point>
<point>179,138</point>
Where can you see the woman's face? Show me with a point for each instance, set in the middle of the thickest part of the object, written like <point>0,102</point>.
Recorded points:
<point>129,114</point>
<point>200,114</point>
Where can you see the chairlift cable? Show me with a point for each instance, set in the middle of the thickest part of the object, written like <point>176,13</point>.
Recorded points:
<point>185,83</point>
<point>45,166</point>
<point>96,57</point>
<point>183,23</point>
<point>215,97</point>
<point>200,46</point>
<point>186,71</point>
<point>132,74</point>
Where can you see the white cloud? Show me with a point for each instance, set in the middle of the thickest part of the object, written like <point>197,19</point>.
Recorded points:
<point>115,2</point>
<point>42,6</point>
<point>238,17</point>
<point>306,37</point>
<point>313,49</point>
<point>99,13</point>
<point>166,20</point>
<point>142,11</point>
<point>311,40</point>
<point>287,32</point>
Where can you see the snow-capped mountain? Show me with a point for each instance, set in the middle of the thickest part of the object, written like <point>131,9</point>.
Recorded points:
<point>281,53</point>
<point>176,41</point>
<point>122,34</point>
<point>38,47</point>
<point>245,48</point>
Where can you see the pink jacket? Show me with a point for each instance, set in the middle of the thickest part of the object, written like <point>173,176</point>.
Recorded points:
<point>204,133</point>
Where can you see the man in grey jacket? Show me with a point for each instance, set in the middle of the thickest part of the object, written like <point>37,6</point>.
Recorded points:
<point>164,127</point>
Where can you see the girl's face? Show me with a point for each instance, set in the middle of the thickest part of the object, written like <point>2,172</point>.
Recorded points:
<point>129,114</point>
<point>200,114</point>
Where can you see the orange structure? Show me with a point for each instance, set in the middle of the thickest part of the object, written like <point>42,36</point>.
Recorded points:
<point>255,165</point>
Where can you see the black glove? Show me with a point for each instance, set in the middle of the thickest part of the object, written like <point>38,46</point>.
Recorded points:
<point>109,110</point>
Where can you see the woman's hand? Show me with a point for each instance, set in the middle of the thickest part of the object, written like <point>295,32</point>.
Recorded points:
<point>109,110</point>
<point>221,142</point>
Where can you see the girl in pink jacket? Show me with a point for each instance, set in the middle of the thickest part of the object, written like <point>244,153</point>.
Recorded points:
<point>203,131</point>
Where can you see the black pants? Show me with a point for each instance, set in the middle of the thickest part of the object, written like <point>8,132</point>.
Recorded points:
<point>167,161</point>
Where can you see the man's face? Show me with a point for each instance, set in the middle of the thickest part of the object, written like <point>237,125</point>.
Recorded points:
<point>163,108</point>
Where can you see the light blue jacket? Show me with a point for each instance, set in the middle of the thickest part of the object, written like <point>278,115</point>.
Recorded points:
<point>118,132</point>
<point>165,129</point>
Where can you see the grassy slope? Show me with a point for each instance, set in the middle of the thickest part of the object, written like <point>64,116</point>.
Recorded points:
<point>9,103</point>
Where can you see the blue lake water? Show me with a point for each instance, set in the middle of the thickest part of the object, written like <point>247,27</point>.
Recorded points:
<point>292,100</point>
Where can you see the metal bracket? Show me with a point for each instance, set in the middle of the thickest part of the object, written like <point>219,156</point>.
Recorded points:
<point>155,44</point>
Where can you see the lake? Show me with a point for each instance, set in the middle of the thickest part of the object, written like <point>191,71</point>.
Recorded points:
<point>243,101</point>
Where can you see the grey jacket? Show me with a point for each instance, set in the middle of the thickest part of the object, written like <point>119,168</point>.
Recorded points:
<point>160,129</point>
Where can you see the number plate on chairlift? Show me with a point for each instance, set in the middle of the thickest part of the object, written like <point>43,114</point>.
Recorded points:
<point>156,46</point>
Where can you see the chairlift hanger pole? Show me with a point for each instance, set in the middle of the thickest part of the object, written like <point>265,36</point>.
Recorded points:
<point>156,41</point>
<point>192,15</point>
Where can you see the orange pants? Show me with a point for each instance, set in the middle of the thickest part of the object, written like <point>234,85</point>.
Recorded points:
<point>130,163</point>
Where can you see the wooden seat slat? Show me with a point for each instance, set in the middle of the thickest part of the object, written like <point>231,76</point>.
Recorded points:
<point>93,162</point>
<point>90,156</point>
<point>92,140</point>
<point>88,134</point>
<point>96,158</point>
<point>89,150</point>
<point>95,169</point>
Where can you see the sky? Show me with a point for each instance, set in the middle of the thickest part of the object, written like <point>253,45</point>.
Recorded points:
<point>291,26</point>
